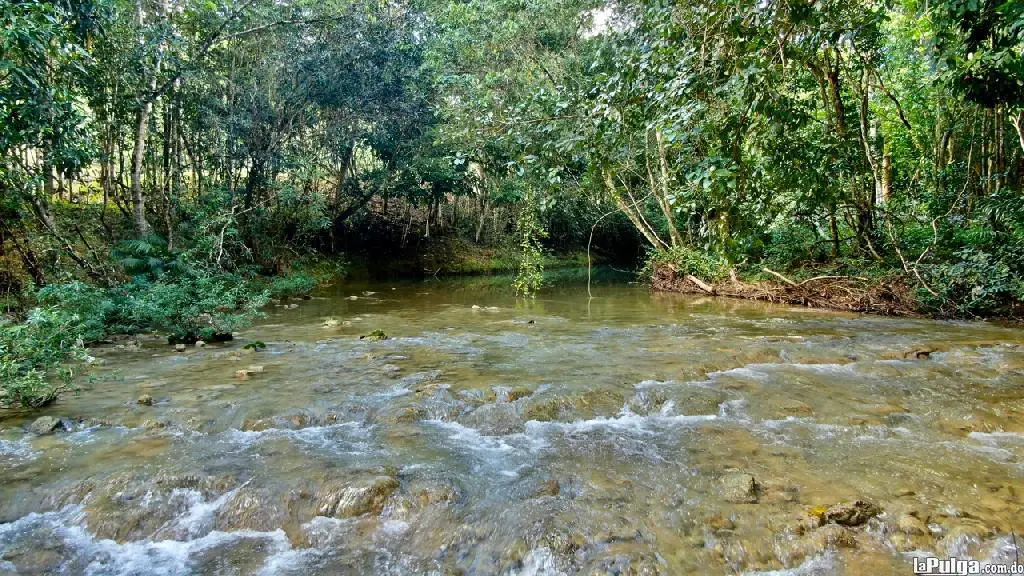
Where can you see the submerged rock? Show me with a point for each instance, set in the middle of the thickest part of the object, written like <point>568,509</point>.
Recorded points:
<point>577,406</point>
<point>825,537</point>
<point>517,393</point>
<point>550,487</point>
<point>719,523</point>
<point>244,373</point>
<point>739,488</point>
<point>375,336</point>
<point>405,414</point>
<point>252,508</point>
<point>911,524</point>
<point>495,419</point>
<point>343,499</point>
<point>45,425</point>
<point>960,538</point>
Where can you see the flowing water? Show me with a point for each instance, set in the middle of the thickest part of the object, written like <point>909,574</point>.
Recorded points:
<point>616,434</point>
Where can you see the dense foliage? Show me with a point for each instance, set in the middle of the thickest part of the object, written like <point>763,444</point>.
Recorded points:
<point>162,160</point>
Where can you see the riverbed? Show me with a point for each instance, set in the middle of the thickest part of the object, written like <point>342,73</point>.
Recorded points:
<point>615,432</point>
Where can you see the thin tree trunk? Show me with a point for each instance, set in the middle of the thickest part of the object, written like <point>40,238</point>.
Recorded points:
<point>142,227</point>
<point>628,211</point>
<point>1018,125</point>
<point>673,232</point>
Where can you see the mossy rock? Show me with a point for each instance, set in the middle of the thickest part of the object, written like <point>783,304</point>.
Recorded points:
<point>518,392</point>
<point>579,406</point>
<point>375,336</point>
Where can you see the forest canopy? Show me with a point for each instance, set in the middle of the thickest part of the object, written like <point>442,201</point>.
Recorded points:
<point>155,152</point>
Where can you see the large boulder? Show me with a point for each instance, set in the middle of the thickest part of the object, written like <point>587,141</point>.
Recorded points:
<point>45,425</point>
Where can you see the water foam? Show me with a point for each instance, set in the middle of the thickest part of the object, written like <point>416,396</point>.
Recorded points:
<point>540,562</point>
<point>822,565</point>
<point>17,451</point>
<point>103,557</point>
<point>354,441</point>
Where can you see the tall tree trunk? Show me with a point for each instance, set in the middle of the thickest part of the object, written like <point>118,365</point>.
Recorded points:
<point>673,232</point>
<point>142,227</point>
<point>1018,125</point>
<point>631,213</point>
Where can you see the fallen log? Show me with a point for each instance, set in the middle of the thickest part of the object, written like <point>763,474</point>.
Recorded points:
<point>700,284</point>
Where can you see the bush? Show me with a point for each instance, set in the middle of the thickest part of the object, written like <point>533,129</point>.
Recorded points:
<point>197,306</point>
<point>976,284</point>
<point>687,260</point>
<point>293,285</point>
<point>95,308</point>
<point>34,357</point>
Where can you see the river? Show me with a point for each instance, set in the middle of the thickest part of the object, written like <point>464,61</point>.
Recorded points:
<point>623,433</point>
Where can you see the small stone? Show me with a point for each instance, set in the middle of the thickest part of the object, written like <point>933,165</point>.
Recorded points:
<point>911,524</point>
<point>145,400</point>
<point>551,487</point>
<point>718,523</point>
<point>179,347</point>
<point>739,488</point>
<point>853,514</point>
<point>45,425</point>
<point>200,344</point>
<point>153,424</point>
<point>254,369</point>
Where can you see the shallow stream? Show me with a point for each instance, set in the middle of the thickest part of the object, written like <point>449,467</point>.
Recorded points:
<point>627,433</point>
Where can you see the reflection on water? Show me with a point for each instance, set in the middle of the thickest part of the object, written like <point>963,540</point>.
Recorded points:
<point>628,433</point>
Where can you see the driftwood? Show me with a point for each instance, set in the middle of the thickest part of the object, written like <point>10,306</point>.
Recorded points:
<point>892,295</point>
<point>700,284</point>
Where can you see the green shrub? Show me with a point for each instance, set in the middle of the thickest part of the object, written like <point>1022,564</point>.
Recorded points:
<point>96,309</point>
<point>687,260</point>
<point>147,256</point>
<point>976,283</point>
<point>197,306</point>
<point>293,285</point>
<point>34,357</point>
